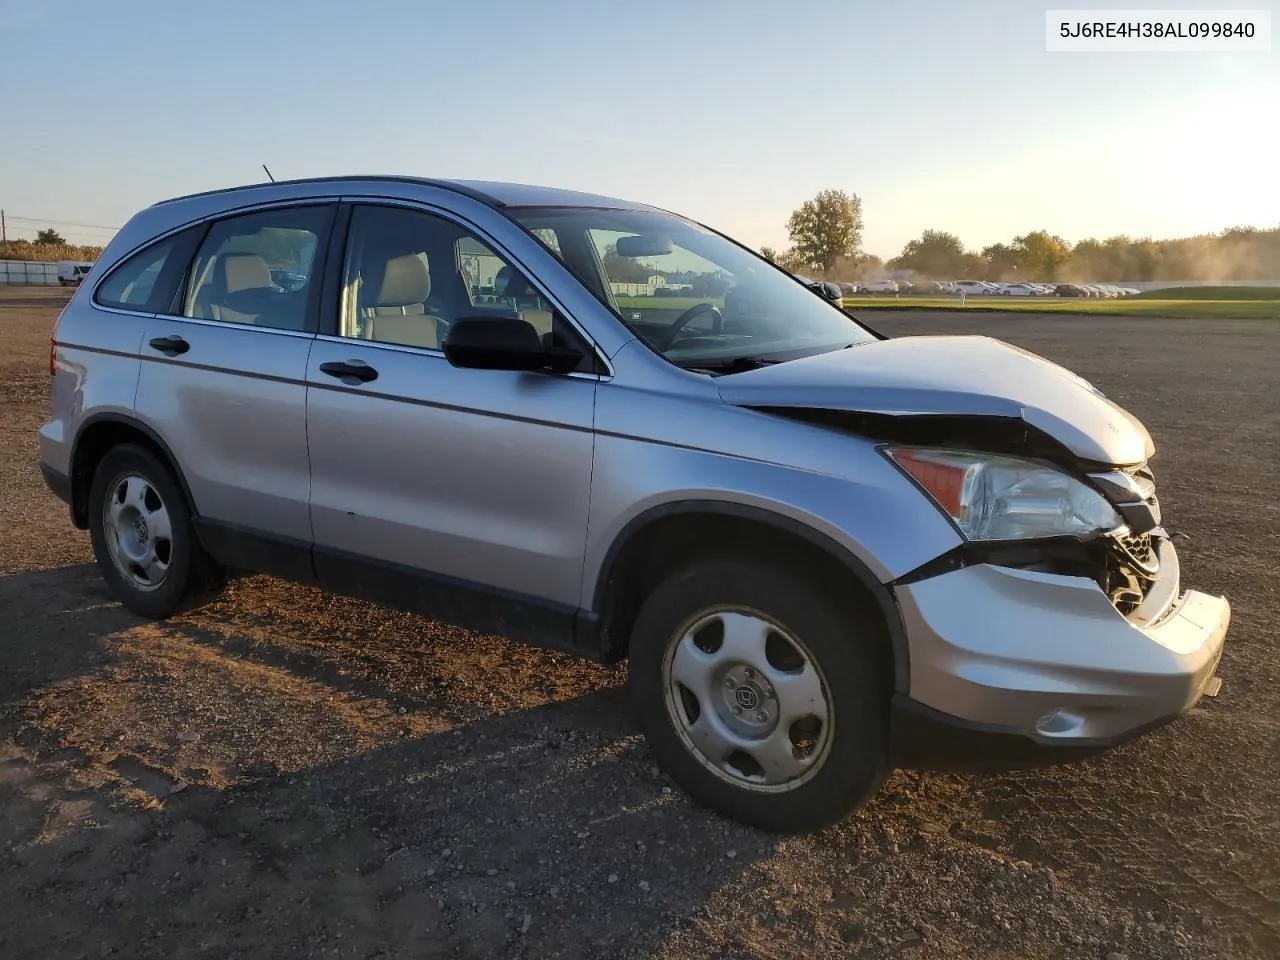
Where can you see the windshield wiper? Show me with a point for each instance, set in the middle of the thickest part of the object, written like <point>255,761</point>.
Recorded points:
<point>746,362</point>
<point>731,364</point>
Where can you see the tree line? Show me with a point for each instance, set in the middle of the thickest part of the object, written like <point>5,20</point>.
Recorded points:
<point>826,242</point>
<point>826,238</point>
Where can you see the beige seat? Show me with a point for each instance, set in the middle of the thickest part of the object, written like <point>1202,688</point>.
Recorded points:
<point>398,312</point>
<point>541,320</point>
<point>514,288</point>
<point>238,272</point>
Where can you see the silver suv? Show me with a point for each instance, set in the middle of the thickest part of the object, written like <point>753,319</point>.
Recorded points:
<point>596,426</point>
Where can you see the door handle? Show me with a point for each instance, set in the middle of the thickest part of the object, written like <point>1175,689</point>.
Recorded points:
<point>350,372</point>
<point>171,346</point>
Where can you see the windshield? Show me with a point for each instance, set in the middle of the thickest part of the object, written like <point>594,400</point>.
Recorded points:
<point>695,297</point>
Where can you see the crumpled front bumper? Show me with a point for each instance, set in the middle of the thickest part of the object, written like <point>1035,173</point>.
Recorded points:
<point>1011,666</point>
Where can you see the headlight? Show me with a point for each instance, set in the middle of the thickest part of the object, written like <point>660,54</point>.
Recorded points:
<point>1004,498</point>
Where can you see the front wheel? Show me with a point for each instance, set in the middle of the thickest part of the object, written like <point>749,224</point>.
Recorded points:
<point>760,695</point>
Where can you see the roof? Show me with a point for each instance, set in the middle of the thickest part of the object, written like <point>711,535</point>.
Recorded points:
<point>503,194</point>
<point>492,192</point>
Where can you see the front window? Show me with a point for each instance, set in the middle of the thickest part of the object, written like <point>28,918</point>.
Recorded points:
<point>410,275</point>
<point>694,296</point>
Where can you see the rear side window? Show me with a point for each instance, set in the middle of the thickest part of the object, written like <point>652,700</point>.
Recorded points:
<point>142,282</point>
<point>260,268</point>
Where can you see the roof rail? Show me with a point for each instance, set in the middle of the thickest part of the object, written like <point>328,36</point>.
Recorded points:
<point>390,178</point>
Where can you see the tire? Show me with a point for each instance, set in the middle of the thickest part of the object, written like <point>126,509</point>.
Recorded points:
<point>837,641</point>
<point>151,503</point>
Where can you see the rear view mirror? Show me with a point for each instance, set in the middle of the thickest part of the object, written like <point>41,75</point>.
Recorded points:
<point>644,246</point>
<point>504,343</point>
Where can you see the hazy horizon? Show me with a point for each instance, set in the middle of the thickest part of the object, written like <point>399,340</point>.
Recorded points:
<point>936,116</point>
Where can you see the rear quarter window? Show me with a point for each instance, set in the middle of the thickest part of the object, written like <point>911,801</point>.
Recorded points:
<point>147,280</point>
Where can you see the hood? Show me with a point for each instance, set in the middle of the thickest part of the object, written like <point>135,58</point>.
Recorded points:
<point>952,376</point>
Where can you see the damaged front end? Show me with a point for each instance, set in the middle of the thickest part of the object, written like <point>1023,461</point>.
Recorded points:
<point>1132,564</point>
<point>1137,558</point>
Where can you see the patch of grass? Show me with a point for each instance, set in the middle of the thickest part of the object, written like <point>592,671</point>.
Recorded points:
<point>1210,293</point>
<point>1128,307</point>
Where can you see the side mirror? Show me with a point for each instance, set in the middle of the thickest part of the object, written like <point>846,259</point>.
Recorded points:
<point>504,343</point>
<point>828,290</point>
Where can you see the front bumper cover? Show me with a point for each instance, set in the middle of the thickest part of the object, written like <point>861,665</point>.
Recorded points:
<point>1010,666</point>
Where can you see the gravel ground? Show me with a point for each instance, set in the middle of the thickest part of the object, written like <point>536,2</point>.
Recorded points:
<point>288,774</point>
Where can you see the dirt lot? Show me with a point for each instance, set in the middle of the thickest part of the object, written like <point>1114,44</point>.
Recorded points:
<point>285,774</point>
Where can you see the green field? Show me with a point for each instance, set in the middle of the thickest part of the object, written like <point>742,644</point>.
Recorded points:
<point>1135,306</point>
<point>1238,303</point>
<point>665,303</point>
<point>1211,293</point>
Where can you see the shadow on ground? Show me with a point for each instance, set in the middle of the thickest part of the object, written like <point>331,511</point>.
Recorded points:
<point>70,611</point>
<point>519,833</point>
<point>541,830</point>
<point>223,786</point>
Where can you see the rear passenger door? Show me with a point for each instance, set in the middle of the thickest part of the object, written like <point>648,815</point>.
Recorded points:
<point>461,493</point>
<point>223,382</point>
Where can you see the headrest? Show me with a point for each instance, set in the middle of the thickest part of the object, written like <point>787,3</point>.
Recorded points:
<point>245,271</point>
<point>508,283</point>
<point>405,280</point>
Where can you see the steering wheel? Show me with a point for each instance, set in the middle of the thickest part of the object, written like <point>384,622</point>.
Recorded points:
<point>682,321</point>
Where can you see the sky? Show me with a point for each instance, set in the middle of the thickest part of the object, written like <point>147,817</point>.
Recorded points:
<point>937,114</point>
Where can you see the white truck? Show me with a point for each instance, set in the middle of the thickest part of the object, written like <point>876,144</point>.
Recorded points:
<point>71,272</point>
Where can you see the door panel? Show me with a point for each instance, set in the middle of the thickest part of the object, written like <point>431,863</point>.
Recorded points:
<point>477,475</point>
<point>225,383</point>
<point>232,408</point>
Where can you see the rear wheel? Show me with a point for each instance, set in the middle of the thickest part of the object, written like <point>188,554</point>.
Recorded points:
<point>143,537</point>
<point>760,695</point>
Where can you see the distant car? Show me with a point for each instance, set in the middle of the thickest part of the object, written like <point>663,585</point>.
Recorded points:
<point>71,272</point>
<point>1019,290</point>
<point>880,286</point>
<point>975,287</point>
<point>288,280</point>
<point>1069,290</point>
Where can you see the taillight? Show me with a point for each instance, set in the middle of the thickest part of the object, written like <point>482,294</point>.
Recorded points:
<point>53,342</point>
